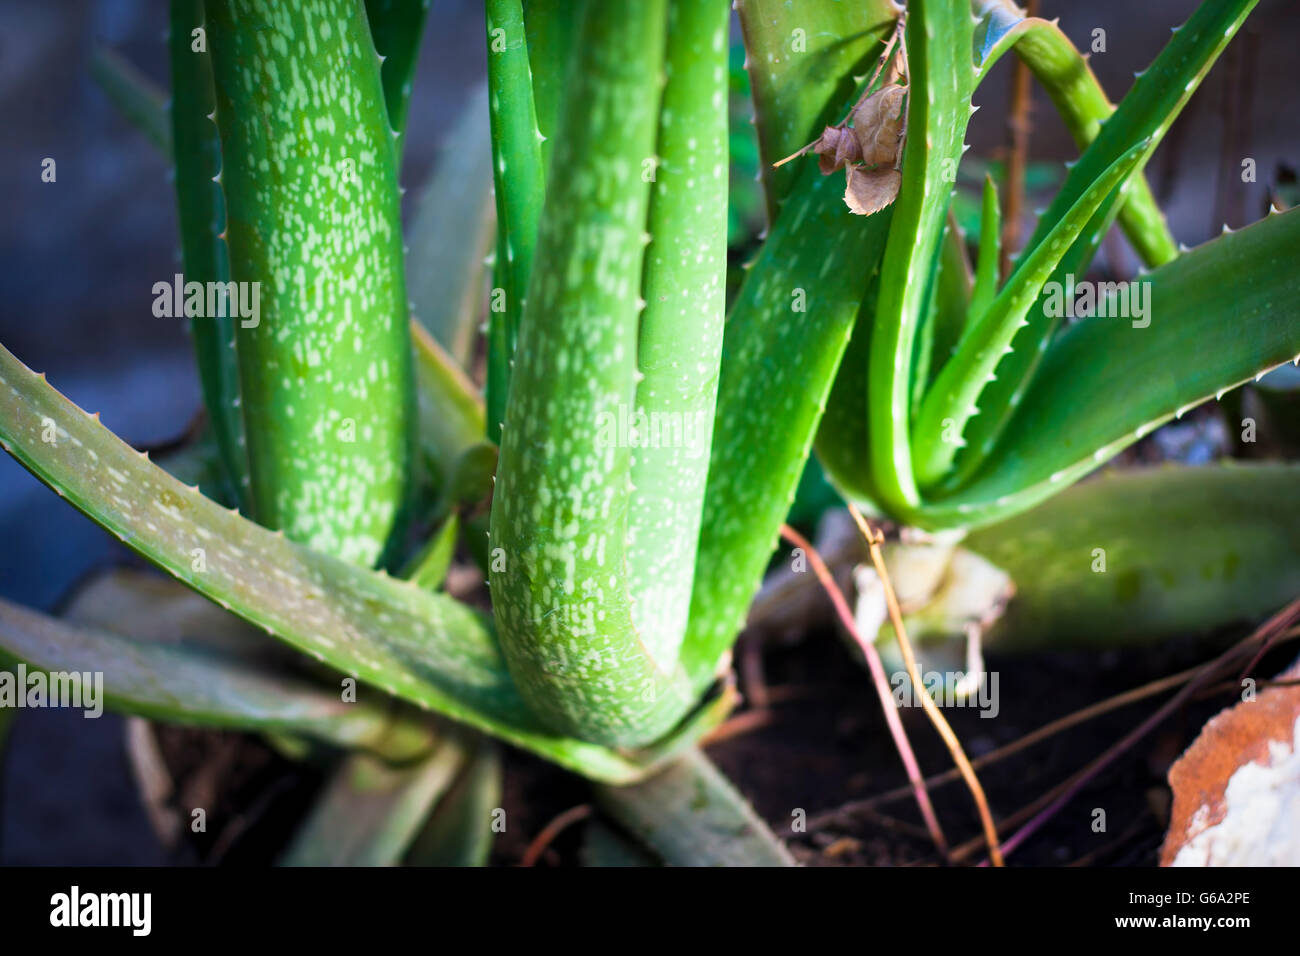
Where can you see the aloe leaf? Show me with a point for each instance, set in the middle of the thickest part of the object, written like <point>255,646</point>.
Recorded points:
<point>990,250</point>
<point>691,815</point>
<point>202,215</point>
<point>559,514</point>
<point>1183,551</point>
<point>325,368</point>
<point>605,846</point>
<point>950,299</point>
<point>451,233</point>
<point>424,648</point>
<point>940,79</point>
<point>805,62</point>
<point>1149,108</point>
<point>449,408</point>
<point>193,683</point>
<point>460,831</point>
<point>428,568</point>
<point>1083,407</point>
<point>135,96</point>
<point>842,442</point>
<point>1067,78</point>
<point>679,343</point>
<point>520,189</point>
<point>950,402</point>
<point>552,30</point>
<point>397,27</point>
<point>782,344</point>
<point>370,811</point>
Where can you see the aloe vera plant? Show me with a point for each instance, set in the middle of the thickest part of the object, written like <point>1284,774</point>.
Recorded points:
<point>640,444</point>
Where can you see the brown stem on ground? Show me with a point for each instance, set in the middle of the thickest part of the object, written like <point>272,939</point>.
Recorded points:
<point>1018,127</point>
<point>552,830</point>
<point>881,683</point>
<point>874,539</point>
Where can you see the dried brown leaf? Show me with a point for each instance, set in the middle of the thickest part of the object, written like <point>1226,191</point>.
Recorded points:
<point>878,127</point>
<point>871,190</point>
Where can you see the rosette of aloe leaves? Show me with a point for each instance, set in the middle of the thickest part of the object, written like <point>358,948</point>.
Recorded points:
<point>636,444</point>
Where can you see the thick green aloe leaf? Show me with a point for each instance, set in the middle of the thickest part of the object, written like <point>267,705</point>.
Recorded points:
<point>950,402</point>
<point>805,62</point>
<point>1185,551</point>
<point>1216,317</point>
<point>552,30</point>
<point>451,233</point>
<point>425,648</point>
<point>782,344</point>
<point>325,368</point>
<point>950,302</point>
<point>461,828</point>
<point>691,815</point>
<point>370,811</point>
<point>679,343</point>
<point>561,595</point>
<point>135,96</point>
<point>843,446</point>
<point>520,190</point>
<point>941,77</point>
<point>397,27</point>
<point>1067,78</point>
<point>202,215</point>
<point>197,683</point>
<point>1149,108</point>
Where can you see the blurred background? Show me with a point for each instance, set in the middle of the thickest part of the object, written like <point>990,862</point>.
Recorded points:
<point>78,258</point>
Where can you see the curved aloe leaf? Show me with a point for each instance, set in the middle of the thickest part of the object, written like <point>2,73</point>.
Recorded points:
<point>422,647</point>
<point>552,30</point>
<point>325,368</point>
<point>560,513</point>
<point>202,215</point>
<point>690,815</point>
<point>1147,111</point>
<point>397,27</point>
<point>199,684</point>
<point>679,344</point>
<point>1185,551</point>
<point>461,828</point>
<point>940,78</point>
<point>950,402</point>
<point>520,190</point>
<point>1082,407</point>
<point>802,59</point>
<point>370,811</point>
<point>783,341</point>
<point>1081,102</point>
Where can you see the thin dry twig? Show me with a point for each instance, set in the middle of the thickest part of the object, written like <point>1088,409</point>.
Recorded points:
<point>881,683</point>
<point>1018,127</point>
<point>874,539</point>
<point>552,830</point>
